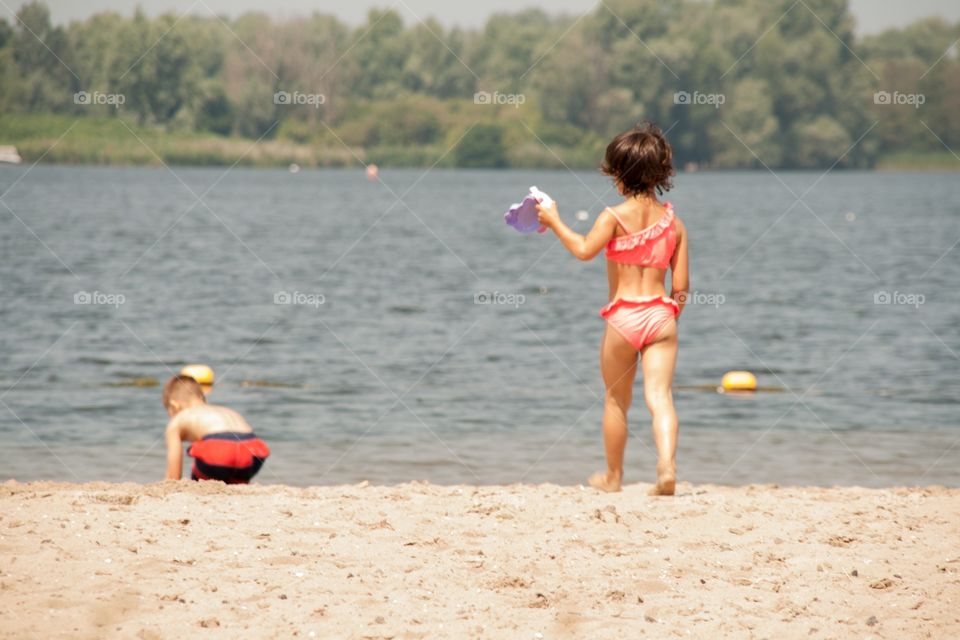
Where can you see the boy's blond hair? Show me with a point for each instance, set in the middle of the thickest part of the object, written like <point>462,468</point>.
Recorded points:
<point>182,390</point>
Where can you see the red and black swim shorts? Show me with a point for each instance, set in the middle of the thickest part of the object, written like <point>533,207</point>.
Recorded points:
<point>233,458</point>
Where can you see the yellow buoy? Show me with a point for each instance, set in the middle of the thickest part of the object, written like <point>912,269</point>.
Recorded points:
<point>202,374</point>
<point>738,381</point>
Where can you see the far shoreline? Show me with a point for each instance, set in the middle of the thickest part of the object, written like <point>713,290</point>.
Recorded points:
<point>110,142</point>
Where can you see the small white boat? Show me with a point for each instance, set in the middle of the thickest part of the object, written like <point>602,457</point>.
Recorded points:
<point>8,153</point>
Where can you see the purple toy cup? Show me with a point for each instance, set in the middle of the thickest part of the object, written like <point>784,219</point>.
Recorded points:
<point>524,216</point>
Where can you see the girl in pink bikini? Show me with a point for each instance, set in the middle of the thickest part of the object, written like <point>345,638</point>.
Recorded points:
<point>643,238</point>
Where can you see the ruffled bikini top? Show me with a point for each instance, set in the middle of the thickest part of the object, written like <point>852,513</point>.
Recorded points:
<point>650,247</point>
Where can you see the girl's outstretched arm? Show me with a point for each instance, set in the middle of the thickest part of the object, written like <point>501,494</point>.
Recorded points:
<point>580,246</point>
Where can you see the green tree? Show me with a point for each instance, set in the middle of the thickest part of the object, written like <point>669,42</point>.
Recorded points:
<point>377,56</point>
<point>435,63</point>
<point>482,146</point>
<point>941,89</point>
<point>6,33</point>
<point>749,133</point>
<point>216,112</point>
<point>39,50</point>
<point>512,47</point>
<point>409,120</point>
<point>818,142</point>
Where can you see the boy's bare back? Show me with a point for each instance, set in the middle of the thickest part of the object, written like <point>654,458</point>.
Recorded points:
<point>196,422</point>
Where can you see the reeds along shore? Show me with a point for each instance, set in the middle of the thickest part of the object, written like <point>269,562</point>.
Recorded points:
<point>108,141</point>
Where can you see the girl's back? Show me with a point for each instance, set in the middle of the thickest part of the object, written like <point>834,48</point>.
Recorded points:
<point>647,235</point>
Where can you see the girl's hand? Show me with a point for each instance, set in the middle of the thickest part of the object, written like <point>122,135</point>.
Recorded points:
<point>548,216</point>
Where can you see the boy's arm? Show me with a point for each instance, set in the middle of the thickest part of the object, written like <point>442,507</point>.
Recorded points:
<point>174,450</point>
<point>680,268</point>
<point>581,247</point>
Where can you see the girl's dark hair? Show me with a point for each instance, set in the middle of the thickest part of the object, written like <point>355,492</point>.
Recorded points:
<point>641,159</point>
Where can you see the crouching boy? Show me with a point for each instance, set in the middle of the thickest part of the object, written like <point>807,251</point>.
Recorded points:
<point>222,444</point>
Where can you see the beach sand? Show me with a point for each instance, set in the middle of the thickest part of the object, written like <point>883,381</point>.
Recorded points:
<point>427,561</point>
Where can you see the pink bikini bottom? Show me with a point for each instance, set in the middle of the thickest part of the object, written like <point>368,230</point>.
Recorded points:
<point>640,321</point>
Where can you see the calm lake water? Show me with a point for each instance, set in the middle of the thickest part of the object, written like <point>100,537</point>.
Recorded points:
<point>399,375</point>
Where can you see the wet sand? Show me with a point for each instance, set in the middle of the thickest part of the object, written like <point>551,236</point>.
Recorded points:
<point>427,561</point>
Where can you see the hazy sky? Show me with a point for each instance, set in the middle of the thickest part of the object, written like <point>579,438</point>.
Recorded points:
<point>872,15</point>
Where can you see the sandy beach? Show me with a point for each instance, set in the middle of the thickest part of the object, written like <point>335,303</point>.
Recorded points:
<point>427,561</point>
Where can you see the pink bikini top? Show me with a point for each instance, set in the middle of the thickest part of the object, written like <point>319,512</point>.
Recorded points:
<point>650,247</point>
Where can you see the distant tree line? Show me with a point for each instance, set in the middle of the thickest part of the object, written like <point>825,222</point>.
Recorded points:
<point>739,83</point>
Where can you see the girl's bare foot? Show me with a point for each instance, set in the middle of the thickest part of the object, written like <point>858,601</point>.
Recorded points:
<point>666,480</point>
<point>608,482</point>
<point>665,486</point>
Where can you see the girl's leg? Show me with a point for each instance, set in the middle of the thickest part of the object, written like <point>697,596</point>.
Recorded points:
<point>658,360</point>
<point>618,364</point>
